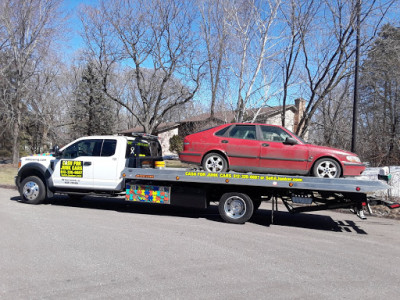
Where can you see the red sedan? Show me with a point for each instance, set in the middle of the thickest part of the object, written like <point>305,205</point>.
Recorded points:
<point>265,148</point>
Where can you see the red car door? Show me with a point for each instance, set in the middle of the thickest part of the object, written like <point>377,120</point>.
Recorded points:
<point>278,157</point>
<point>242,148</point>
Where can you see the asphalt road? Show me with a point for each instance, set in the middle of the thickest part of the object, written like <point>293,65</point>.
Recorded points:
<point>105,248</point>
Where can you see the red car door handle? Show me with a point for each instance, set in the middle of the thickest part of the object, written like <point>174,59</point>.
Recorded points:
<point>265,145</point>
<point>224,142</point>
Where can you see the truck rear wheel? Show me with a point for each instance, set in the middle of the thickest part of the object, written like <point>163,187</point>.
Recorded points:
<point>235,208</point>
<point>32,190</point>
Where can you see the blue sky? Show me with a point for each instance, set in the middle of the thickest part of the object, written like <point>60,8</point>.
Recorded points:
<point>74,41</point>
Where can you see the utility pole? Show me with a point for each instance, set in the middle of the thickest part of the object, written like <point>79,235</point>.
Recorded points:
<point>357,62</point>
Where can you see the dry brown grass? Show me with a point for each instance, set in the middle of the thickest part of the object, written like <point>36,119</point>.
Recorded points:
<point>176,164</point>
<point>7,174</point>
<point>385,212</point>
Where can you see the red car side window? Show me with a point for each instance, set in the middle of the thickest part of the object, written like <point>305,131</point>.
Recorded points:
<point>222,131</point>
<point>243,132</point>
<point>273,134</point>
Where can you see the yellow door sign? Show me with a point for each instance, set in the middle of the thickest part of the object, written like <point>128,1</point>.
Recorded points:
<point>71,168</point>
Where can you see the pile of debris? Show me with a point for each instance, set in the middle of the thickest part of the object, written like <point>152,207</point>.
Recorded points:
<point>388,208</point>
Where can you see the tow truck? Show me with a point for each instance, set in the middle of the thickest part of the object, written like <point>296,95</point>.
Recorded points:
<point>133,168</point>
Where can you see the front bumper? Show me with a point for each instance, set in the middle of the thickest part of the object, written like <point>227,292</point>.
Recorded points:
<point>353,169</point>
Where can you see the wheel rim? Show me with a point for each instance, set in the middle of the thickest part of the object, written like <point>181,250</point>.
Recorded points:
<point>30,190</point>
<point>235,207</point>
<point>327,169</point>
<point>214,164</point>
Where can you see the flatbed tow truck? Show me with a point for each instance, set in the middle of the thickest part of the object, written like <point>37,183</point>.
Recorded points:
<point>133,167</point>
<point>240,194</point>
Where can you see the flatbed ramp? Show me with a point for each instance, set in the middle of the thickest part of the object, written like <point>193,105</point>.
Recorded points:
<point>239,194</point>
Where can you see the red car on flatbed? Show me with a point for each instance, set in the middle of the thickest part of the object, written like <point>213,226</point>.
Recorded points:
<point>264,148</point>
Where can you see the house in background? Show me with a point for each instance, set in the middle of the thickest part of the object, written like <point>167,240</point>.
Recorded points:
<point>265,115</point>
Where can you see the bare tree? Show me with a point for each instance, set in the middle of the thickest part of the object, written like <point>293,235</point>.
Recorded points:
<point>215,34</point>
<point>331,124</point>
<point>328,52</point>
<point>155,40</point>
<point>297,16</point>
<point>28,27</point>
<point>47,108</point>
<point>250,24</point>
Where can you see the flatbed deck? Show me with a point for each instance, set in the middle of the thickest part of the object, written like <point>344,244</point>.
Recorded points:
<point>345,185</point>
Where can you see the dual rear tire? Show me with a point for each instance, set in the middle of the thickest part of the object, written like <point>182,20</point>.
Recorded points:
<point>236,207</point>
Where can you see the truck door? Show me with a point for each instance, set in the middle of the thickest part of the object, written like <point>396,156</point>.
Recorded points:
<point>105,166</point>
<point>75,167</point>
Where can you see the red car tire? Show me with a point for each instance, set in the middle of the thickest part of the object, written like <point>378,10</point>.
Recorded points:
<point>214,162</point>
<point>326,168</point>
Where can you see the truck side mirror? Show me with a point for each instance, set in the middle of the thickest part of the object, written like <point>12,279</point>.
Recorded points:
<point>56,151</point>
<point>290,141</point>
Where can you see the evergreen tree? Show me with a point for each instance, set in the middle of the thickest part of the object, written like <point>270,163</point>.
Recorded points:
<point>380,99</point>
<point>92,113</point>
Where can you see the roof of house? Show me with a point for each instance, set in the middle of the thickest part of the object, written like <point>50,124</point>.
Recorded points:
<point>224,116</point>
<point>228,116</point>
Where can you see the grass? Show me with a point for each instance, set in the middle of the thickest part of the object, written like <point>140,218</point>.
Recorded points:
<point>7,174</point>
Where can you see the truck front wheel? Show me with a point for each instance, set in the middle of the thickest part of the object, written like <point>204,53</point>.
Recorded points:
<point>235,207</point>
<point>32,190</point>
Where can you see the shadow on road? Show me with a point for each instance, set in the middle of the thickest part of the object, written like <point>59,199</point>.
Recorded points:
<point>305,220</point>
<point>120,205</point>
<point>261,217</point>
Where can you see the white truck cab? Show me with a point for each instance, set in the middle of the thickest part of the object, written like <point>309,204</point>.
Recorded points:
<point>88,164</point>
<point>93,163</point>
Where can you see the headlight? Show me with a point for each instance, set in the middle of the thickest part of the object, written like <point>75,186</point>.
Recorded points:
<point>353,158</point>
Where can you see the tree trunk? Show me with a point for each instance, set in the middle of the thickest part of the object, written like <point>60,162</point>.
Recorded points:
<point>16,142</point>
